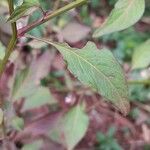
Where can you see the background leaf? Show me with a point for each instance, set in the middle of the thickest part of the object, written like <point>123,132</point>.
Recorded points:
<point>71,128</point>
<point>27,83</point>
<point>125,14</point>
<point>141,56</point>
<point>41,97</point>
<point>23,85</point>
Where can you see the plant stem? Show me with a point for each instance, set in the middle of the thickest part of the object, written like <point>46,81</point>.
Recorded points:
<point>139,82</point>
<point>12,42</point>
<point>70,6</point>
<point>8,52</point>
<point>13,25</point>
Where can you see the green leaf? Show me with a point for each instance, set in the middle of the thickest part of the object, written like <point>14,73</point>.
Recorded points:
<point>25,9</point>
<point>125,14</point>
<point>40,97</point>
<point>71,128</point>
<point>19,79</point>
<point>141,56</point>
<point>25,87</point>
<point>27,80</point>
<point>98,69</point>
<point>35,96</point>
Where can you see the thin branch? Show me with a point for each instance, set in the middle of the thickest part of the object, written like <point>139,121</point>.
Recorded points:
<point>70,6</point>
<point>12,42</point>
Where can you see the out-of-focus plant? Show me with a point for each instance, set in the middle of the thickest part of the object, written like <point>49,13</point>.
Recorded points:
<point>107,141</point>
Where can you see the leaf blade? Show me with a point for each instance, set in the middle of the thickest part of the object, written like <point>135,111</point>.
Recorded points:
<point>125,14</point>
<point>26,84</point>
<point>40,97</point>
<point>141,56</point>
<point>73,126</point>
<point>101,73</point>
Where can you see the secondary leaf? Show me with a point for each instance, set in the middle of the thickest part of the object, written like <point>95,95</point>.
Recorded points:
<point>27,84</point>
<point>141,56</point>
<point>27,80</point>
<point>25,9</point>
<point>40,97</point>
<point>23,85</point>
<point>71,128</point>
<point>98,69</point>
<point>125,14</point>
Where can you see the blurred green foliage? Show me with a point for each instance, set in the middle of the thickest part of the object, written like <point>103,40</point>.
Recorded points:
<point>134,114</point>
<point>125,42</point>
<point>107,141</point>
<point>147,147</point>
<point>139,93</point>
